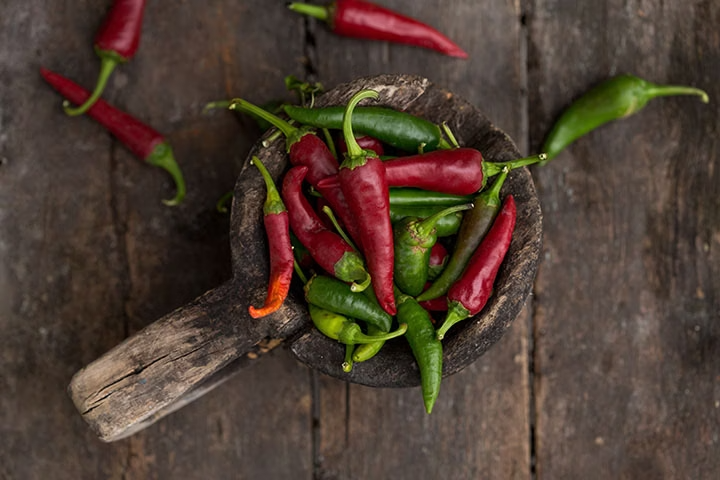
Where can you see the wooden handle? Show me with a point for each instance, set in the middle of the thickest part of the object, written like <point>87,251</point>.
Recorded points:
<point>169,364</point>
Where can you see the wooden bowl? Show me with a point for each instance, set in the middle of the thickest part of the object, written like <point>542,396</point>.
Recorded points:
<point>195,348</point>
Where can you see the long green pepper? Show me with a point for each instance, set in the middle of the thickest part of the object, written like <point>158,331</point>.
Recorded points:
<point>426,348</point>
<point>613,99</point>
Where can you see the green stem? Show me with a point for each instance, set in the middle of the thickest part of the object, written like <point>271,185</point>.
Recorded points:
<point>425,227</point>
<point>456,313</point>
<point>671,90</point>
<point>288,130</point>
<point>355,154</point>
<point>330,142</point>
<point>493,168</point>
<point>216,104</point>
<point>299,272</point>
<point>221,205</point>
<point>328,211</point>
<point>315,11</point>
<point>162,156</point>
<point>450,135</point>
<point>273,202</point>
<point>347,365</point>
<point>108,62</point>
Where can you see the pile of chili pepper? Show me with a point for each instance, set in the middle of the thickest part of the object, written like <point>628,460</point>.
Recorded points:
<point>384,244</point>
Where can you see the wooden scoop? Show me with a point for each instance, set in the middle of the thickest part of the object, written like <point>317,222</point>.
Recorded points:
<point>198,346</point>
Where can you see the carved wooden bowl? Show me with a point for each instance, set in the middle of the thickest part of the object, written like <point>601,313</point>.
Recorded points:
<point>195,348</point>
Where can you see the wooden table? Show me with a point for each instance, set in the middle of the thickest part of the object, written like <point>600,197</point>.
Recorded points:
<point>612,370</point>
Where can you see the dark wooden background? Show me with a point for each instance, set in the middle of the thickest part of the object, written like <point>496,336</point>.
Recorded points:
<point>612,371</point>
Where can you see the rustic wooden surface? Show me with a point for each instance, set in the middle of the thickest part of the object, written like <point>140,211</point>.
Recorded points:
<point>612,371</point>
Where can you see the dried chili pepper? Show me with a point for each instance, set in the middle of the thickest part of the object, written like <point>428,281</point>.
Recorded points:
<point>142,140</point>
<point>426,347</point>
<point>471,291</point>
<point>392,127</point>
<point>475,225</point>
<point>116,42</point>
<point>362,180</point>
<point>277,229</point>
<point>362,19</point>
<point>460,171</point>
<point>326,247</point>
<point>446,226</point>
<point>613,99</point>
<point>334,295</point>
<point>413,239</point>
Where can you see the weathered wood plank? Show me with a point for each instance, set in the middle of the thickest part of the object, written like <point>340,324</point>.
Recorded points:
<point>627,314</point>
<point>386,432</point>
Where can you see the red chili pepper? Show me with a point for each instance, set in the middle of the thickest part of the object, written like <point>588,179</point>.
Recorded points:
<point>277,229</point>
<point>439,257</point>
<point>361,19</point>
<point>439,304</point>
<point>362,179</point>
<point>303,146</point>
<point>327,248</point>
<point>460,171</point>
<point>142,140</point>
<point>116,42</point>
<point>471,291</point>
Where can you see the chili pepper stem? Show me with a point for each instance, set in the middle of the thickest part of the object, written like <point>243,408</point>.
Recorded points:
<point>356,156</point>
<point>347,365</point>
<point>456,313</point>
<point>493,168</point>
<point>221,205</point>
<point>671,90</point>
<point>316,11</point>
<point>451,136</point>
<point>290,132</point>
<point>333,219</point>
<point>299,272</point>
<point>108,62</point>
<point>216,104</point>
<point>425,227</point>
<point>162,156</point>
<point>351,334</point>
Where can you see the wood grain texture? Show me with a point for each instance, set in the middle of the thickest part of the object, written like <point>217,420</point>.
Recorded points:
<point>623,328</point>
<point>627,361</point>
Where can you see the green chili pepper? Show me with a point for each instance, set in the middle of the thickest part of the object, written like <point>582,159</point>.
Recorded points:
<point>426,348</point>
<point>366,351</point>
<point>475,225</point>
<point>416,197</point>
<point>347,332</point>
<point>332,294</point>
<point>413,239</point>
<point>446,226</point>
<point>615,98</point>
<point>399,129</point>
<point>340,328</point>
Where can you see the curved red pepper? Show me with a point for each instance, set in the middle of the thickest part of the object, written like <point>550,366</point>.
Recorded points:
<point>362,19</point>
<point>362,180</point>
<point>471,291</point>
<point>327,248</point>
<point>460,171</point>
<point>277,228</point>
<point>116,42</point>
<point>142,140</point>
<point>303,146</point>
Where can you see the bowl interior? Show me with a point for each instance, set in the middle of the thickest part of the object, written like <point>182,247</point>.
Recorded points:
<point>394,366</point>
